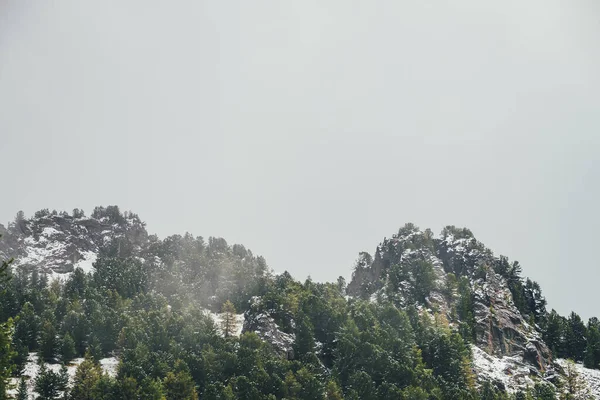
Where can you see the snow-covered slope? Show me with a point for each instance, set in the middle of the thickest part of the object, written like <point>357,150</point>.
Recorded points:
<point>590,377</point>
<point>32,370</point>
<point>56,243</point>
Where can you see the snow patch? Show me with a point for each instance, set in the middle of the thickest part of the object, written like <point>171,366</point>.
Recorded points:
<point>511,372</point>
<point>87,262</point>
<point>590,376</point>
<point>32,370</point>
<point>218,319</point>
<point>110,366</point>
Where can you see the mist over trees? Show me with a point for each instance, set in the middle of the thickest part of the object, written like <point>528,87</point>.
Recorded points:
<point>148,302</point>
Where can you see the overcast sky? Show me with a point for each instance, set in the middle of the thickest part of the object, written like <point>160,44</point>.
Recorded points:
<point>309,130</point>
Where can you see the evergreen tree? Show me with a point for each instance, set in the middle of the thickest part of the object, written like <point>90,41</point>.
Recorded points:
<point>333,391</point>
<point>305,339</point>
<point>49,384</point>
<point>544,391</point>
<point>48,342</point>
<point>86,379</point>
<point>179,385</point>
<point>6,352</point>
<point>592,351</point>
<point>151,389</point>
<point>22,392</point>
<point>575,342</point>
<point>228,319</point>
<point>553,332</point>
<point>126,389</point>
<point>67,350</point>
<point>574,385</point>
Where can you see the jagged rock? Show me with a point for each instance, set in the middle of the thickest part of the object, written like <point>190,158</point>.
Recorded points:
<point>501,329</point>
<point>265,327</point>
<point>508,350</point>
<point>58,243</point>
<point>260,321</point>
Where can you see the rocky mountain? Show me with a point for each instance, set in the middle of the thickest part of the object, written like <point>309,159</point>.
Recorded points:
<point>452,279</point>
<point>57,243</point>
<point>507,342</point>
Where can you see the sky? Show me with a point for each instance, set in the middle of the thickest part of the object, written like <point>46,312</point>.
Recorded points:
<point>309,131</point>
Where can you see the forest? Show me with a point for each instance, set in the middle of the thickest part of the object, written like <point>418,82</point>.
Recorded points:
<point>149,307</point>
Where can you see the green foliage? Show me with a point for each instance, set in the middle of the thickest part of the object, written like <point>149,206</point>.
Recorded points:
<point>543,391</point>
<point>49,345</point>
<point>49,384</point>
<point>67,350</point>
<point>465,310</point>
<point>85,382</point>
<point>6,351</point>
<point>179,386</point>
<point>592,351</point>
<point>22,392</point>
<point>383,343</point>
<point>228,323</point>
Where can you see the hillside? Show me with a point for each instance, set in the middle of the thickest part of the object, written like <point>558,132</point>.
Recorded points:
<point>424,317</point>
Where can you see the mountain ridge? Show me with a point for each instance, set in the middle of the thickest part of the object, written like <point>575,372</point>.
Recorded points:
<point>451,278</point>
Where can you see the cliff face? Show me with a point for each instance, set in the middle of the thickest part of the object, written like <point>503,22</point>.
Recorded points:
<point>503,338</point>
<point>58,243</point>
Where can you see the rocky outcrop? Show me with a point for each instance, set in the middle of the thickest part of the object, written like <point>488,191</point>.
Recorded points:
<point>56,243</point>
<point>508,350</point>
<point>260,321</point>
<point>501,329</point>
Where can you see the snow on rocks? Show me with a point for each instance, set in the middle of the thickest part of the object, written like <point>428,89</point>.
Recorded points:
<point>511,373</point>
<point>87,262</point>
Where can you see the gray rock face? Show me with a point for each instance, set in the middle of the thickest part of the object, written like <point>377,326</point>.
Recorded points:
<point>501,329</point>
<point>264,325</point>
<point>57,243</point>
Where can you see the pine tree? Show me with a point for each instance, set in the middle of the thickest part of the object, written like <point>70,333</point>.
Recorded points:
<point>305,341</point>
<point>333,391</point>
<point>228,319</point>
<point>22,393</point>
<point>50,384</point>
<point>575,341</point>
<point>544,391</point>
<point>575,388</point>
<point>151,389</point>
<point>48,342</point>
<point>67,350</point>
<point>179,385</point>
<point>592,351</point>
<point>86,379</point>
<point>6,352</point>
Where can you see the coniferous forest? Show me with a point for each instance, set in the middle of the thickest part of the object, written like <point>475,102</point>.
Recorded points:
<point>189,318</point>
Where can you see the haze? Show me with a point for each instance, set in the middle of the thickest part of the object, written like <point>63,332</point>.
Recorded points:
<point>310,130</point>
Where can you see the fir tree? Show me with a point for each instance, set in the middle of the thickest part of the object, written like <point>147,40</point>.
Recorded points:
<point>49,384</point>
<point>67,350</point>
<point>86,379</point>
<point>22,392</point>
<point>333,391</point>
<point>179,385</point>
<point>6,352</point>
<point>228,319</point>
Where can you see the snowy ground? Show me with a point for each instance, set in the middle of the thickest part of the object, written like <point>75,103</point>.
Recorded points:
<point>590,376</point>
<point>32,369</point>
<point>512,372</point>
<point>218,318</point>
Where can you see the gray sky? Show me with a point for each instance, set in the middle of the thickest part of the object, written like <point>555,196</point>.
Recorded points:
<point>310,130</point>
